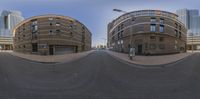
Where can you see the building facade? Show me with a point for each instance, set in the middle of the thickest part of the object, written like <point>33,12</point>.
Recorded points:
<point>191,19</point>
<point>8,20</point>
<point>51,35</point>
<point>148,31</point>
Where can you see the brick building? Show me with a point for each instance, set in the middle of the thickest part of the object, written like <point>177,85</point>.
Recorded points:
<point>148,31</point>
<point>51,35</point>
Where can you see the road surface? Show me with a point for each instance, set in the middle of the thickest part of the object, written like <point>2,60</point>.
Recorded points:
<point>98,76</point>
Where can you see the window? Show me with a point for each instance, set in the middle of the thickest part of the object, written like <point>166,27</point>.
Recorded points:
<point>34,28</point>
<point>161,28</point>
<point>153,28</point>
<point>179,27</point>
<point>161,21</point>
<point>50,24</point>
<point>153,20</point>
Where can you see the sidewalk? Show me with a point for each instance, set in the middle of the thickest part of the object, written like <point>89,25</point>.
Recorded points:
<point>149,60</point>
<point>53,58</point>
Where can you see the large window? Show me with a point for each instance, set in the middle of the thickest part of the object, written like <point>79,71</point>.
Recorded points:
<point>153,28</point>
<point>161,28</point>
<point>34,26</point>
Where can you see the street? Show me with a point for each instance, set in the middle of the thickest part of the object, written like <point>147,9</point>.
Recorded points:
<point>98,76</point>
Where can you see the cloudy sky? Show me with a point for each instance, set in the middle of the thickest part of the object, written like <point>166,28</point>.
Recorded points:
<point>95,14</point>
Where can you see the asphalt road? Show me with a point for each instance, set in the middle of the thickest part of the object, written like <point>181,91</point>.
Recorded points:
<point>98,76</point>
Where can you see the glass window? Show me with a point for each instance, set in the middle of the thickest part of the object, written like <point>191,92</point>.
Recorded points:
<point>161,21</point>
<point>34,28</point>
<point>153,20</point>
<point>153,28</point>
<point>161,28</point>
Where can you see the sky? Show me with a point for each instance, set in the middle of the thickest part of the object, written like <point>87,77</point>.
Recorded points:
<point>94,14</point>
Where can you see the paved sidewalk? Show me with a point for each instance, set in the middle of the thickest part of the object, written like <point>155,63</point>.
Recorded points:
<point>53,58</point>
<point>149,60</point>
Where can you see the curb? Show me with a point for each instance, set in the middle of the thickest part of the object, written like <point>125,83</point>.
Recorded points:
<point>60,62</point>
<point>148,66</point>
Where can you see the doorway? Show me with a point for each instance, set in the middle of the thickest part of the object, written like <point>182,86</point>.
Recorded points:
<point>51,49</point>
<point>140,49</point>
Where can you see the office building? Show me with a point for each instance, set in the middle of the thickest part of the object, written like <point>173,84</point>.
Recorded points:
<point>8,20</point>
<point>191,19</point>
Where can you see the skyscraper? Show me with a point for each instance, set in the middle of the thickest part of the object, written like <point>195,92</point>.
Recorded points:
<point>8,20</point>
<point>191,19</point>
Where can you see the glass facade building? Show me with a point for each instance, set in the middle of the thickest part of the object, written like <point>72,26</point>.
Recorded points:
<point>8,20</point>
<point>191,18</point>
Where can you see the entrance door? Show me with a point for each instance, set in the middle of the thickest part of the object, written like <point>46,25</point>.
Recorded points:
<point>51,50</point>
<point>139,49</point>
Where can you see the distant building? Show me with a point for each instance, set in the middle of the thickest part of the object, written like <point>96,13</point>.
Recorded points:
<point>8,20</point>
<point>191,19</point>
<point>148,31</point>
<point>51,35</point>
